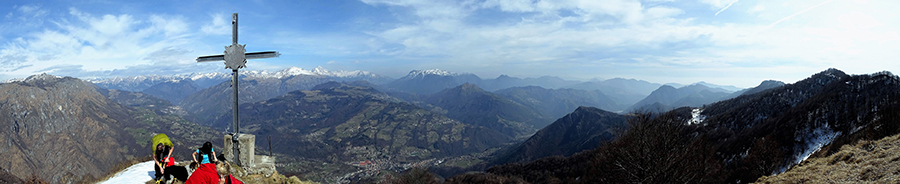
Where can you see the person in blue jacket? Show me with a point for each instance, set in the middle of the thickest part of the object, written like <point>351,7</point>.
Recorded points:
<point>206,154</point>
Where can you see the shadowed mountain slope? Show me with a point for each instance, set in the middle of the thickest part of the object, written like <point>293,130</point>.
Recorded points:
<point>583,129</point>
<point>470,104</point>
<point>61,130</point>
<point>811,118</point>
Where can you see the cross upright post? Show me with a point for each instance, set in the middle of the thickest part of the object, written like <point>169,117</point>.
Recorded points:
<point>235,58</point>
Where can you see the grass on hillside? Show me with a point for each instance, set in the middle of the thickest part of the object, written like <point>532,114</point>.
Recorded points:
<point>863,162</point>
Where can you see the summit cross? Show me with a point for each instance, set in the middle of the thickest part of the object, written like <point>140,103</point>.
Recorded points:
<point>235,58</point>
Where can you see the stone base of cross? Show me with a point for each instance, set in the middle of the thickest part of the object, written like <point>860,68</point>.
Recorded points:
<point>235,58</point>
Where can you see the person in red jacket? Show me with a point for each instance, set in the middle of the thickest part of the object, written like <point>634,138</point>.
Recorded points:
<point>205,174</point>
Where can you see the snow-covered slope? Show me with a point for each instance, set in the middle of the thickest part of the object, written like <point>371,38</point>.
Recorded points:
<point>138,174</point>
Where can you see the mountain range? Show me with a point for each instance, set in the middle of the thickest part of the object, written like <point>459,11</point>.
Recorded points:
<point>327,126</point>
<point>739,140</point>
<point>624,92</point>
<point>666,98</point>
<point>205,80</point>
<point>556,103</point>
<point>434,80</point>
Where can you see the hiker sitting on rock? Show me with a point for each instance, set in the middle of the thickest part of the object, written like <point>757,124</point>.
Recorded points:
<point>207,154</point>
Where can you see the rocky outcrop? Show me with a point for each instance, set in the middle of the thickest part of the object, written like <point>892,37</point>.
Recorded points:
<point>6,177</point>
<point>61,130</point>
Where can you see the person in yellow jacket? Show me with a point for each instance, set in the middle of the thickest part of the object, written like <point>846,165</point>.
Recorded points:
<point>162,153</point>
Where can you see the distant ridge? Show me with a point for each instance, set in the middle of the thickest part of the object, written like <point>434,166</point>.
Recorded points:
<point>667,98</point>
<point>583,129</point>
<point>472,105</point>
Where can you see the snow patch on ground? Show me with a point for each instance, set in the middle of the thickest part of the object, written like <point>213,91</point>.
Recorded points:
<point>138,173</point>
<point>819,137</point>
<point>696,118</point>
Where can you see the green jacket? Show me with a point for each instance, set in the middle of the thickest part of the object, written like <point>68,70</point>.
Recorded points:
<point>161,138</point>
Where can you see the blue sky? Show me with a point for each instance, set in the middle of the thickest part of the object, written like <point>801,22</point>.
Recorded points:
<point>731,42</point>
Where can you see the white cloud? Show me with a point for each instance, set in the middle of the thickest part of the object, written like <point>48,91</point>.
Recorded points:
<point>539,37</point>
<point>170,26</point>
<point>510,5</point>
<point>25,16</point>
<point>31,11</point>
<point>662,12</point>
<point>83,42</point>
<point>757,8</point>
<point>219,25</point>
<point>653,34</point>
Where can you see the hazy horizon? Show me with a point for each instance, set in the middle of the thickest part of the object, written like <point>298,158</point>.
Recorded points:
<point>724,42</point>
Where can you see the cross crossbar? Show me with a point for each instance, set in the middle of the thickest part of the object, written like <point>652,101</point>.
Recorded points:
<point>252,55</point>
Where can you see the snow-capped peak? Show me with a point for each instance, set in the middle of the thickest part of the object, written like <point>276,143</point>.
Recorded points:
<point>213,75</point>
<point>340,73</point>
<point>292,71</point>
<point>13,80</point>
<point>422,73</point>
<point>284,73</point>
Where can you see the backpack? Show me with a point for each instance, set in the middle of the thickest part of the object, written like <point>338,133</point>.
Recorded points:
<point>161,156</point>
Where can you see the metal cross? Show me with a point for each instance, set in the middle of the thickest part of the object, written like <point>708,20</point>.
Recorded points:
<point>235,58</point>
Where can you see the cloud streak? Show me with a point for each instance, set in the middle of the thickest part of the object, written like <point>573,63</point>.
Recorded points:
<point>798,13</point>
<point>726,7</point>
